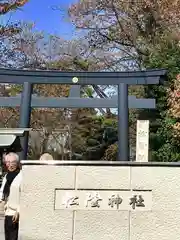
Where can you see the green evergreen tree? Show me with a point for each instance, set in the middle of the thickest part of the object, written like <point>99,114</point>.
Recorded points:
<point>163,146</point>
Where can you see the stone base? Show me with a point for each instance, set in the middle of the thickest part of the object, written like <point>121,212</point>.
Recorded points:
<point>44,216</point>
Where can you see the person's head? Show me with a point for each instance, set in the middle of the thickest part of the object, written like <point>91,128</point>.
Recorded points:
<point>12,161</point>
<point>46,156</point>
<point>5,162</point>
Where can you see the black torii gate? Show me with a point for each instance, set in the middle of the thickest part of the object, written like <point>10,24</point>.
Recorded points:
<point>122,102</point>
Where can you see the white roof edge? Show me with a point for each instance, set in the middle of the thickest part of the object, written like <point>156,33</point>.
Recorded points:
<point>7,140</point>
<point>14,131</point>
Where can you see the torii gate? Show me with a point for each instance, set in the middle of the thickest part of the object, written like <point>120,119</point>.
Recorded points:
<point>76,79</point>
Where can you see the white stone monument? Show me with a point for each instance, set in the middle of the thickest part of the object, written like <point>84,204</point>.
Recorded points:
<point>65,200</point>
<point>142,141</point>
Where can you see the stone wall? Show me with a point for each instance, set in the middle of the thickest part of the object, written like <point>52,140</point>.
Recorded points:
<point>97,202</point>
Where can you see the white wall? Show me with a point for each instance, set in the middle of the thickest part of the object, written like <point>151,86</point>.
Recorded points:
<point>44,217</point>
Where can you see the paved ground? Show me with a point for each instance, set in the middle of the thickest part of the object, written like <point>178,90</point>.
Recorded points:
<point>1,228</point>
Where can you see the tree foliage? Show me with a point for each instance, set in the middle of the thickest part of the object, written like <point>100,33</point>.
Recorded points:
<point>7,6</point>
<point>116,35</point>
<point>34,50</point>
<point>141,35</point>
<point>163,142</point>
<point>9,29</point>
<point>125,28</point>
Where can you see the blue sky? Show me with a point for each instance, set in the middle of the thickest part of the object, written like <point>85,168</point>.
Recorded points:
<point>45,18</point>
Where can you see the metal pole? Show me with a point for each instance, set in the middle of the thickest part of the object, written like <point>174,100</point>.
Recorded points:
<point>25,115</point>
<point>123,123</point>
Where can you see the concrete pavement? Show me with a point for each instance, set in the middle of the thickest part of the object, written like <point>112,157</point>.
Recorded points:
<point>1,227</point>
<point>1,221</point>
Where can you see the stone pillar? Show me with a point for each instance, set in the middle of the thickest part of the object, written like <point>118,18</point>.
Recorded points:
<point>25,116</point>
<point>142,141</point>
<point>123,123</point>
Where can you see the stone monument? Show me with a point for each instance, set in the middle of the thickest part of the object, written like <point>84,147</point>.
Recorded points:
<point>142,141</point>
<point>64,200</point>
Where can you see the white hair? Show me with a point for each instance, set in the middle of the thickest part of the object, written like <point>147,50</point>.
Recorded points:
<point>46,156</point>
<point>15,155</point>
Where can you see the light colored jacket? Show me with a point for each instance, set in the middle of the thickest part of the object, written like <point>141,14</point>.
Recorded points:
<point>13,203</point>
<point>2,187</point>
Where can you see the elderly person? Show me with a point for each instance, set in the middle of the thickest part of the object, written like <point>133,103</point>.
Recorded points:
<point>46,157</point>
<point>5,164</point>
<point>10,195</point>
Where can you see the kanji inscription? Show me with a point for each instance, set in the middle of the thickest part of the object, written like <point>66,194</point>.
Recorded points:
<point>94,200</point>
<point>137,201</point>
<point>103,200</point>
<point>115,200</point>
<point>70,201</point>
